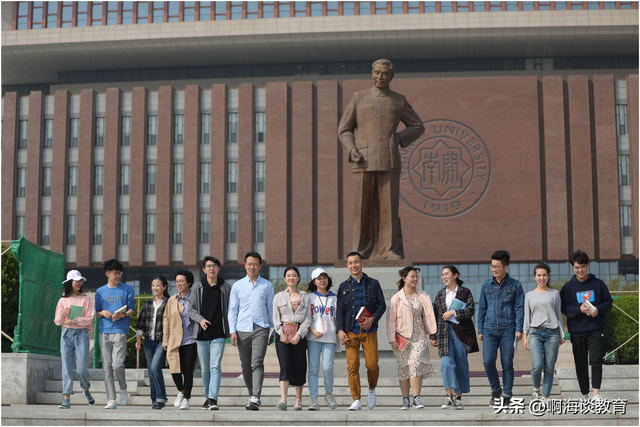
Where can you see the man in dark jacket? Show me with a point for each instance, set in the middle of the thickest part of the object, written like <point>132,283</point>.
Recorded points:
<point>208,306</point>
<point>357,292</point>
<point>585,300</point>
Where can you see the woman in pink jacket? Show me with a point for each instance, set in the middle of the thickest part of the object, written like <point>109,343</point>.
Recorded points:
<point>410,320</point>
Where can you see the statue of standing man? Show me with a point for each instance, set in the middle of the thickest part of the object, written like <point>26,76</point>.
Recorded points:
<point>375,155</point>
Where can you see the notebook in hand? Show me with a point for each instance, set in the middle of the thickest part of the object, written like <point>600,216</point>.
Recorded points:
<point>402,342</point>
<point>362,315</point>
<point>290,329</point>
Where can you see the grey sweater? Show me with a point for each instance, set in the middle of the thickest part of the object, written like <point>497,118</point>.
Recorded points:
<point>543,309</point>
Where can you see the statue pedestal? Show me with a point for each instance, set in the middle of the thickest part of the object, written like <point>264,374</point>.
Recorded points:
<point>387,276</point>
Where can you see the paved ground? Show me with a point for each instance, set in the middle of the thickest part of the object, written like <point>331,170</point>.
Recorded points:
<point>84,415</point>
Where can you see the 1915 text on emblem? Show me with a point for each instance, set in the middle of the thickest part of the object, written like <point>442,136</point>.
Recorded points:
<point>446,172</point>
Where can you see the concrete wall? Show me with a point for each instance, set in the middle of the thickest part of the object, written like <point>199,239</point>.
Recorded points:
<point>24,375</point>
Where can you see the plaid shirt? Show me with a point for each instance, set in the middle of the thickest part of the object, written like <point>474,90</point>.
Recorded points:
<point>145,320</point>
<point>360,302</point>
<point>465,331</point>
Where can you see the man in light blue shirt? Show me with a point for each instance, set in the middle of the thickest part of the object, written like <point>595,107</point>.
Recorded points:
<point>250,318</point>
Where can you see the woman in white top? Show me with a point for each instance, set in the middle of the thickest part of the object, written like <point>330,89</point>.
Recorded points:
<point>322,336</point>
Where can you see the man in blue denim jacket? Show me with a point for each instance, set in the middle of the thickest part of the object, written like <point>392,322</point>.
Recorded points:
<point>500,321</point>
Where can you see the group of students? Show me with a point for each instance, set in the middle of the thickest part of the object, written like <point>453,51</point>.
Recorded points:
<point>313,325</point>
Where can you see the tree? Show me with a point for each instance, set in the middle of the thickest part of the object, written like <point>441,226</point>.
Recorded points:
<point>10,295</point>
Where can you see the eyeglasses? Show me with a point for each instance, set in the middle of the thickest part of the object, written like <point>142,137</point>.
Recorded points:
<point>580,267</point>
<point>496,267</point>
<point>210,266</point>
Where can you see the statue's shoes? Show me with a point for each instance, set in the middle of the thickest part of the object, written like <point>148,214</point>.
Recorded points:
<point>391,255</point>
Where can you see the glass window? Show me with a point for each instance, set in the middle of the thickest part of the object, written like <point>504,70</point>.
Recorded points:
<point>495,6</point>
<point>46,181</point>
<point>97,229</point>
<point>205,11</point>
<point>478,6</point>
<point>252,10</point>
<point>267,9</point>
<point>608,5</point>
<point>96,13</point>
<point>364,8</point>
<point>151,179</point>
<point>36,16</point>
<point>462,6</point>
<point>348,8</point>
<point>52,14</point>
<point>623,169</point>
<point>625,220</point>
<point>124,229</point>
<point>233,128</point>
<point>71,230</point>
<point>396,7</point>
<point>48,133</point>
<point>260,126</point>
<point>232,177</point>
<point>189,12</point>
<point>204,227</point>
<point>177,178</point>
<point>143,13</point>
<point>562,5</point>
<point>576,5</point>
<point>512,6</point>
<point>99,175</point>
<point>112,13</point>
<point>593,5</point>
<point>544,5</point>
<point>174,11</point>
<point>259,177</point>
<point>259,227</point>
<point>46,230</point>
<point>381,7</point>
<point>67,13</point>
<point>316,9</point>
<point>99,132</point>
<point>153,130</point>
<point>82,13</point>
<point>126,131</point>
<point>205,177</point>
<point>232,227</point>
<point>236,10</point>
<point>445,7</point>
<point>413,6</point>
<point>177,229</point>
<point>23,15</point>
<point>19,226</point>
<point>332,8</point>
<point>124,180</point>
<point>221,10</point>
<point>22,182</point>
<point>127,12</point>
<point>300,8</point>
<point>621,118</point>
<point>158,11</point>
<point>24,131</point>
<point>625,5</point>
<point>179,129</point>
<point>150,237</point>
<point>73,132</point>
<point>205,131</point>
<point>527,5</point>
<point>73,181</point>
<point>283,10</point>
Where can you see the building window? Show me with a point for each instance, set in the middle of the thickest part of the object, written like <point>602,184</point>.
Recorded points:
<point>205,131</point>
<point>36,15</point>
<point>205,176</point>
<point>544,5</point>
<point>205,11</point>
<point>112,13</point>
<point>562,5</point>
<point>625,220</point>
<point>259,228</point>
<point>624,5</point>
<point>23,15</point>
<point>174,11</point>
<point>267,9</point>
<point>252,10</point>
<point>177,229</point>
<point>381,7</point>
<point>462,6</point>
<point>283,10</point>
<point>97,229</point>
<point>204,227</point>
<point>22,182</point>
<point>151,179</point>
<point>24,130</point>
<point>73,181</point>
<point>576,5</point>
<point>82,14</point>
<point>46,181</point>
<point>158,11</point>
<point>364,8</point>
<point>126,131</point>
<point>99,132</point>
<point>67,14</point>
<point>124,229</point>
<point>179,129</point>
<point>73,133</point>
<point>348,8</point>
<point>177,178</point>
<point>46,230</point>
<point>495,6</point>
<point>512,6</point>
<point>232,227</point>
<point>259,175</point>
<point>71,230</point>
<point>623,169</point>
<point>124,180</point>
<point>221,11</point>
<point>236,10</point>
<point>48,133</point>
<point>52,14</point>
<point>96,13</point>
<point>413,7</point>
<point>260,126</point>
<point>478,6</point>
<point>19,226</point>
<point>153,130</point>
<point>429,7</point>
<point>143,12</point>
<point>621,119</point>
<point>97,189</point>
<point>233,128</point>
<point>332,8</point>
<point>527,6</point>
<point>232,177</point>
<point>300,8</point>
<point>316,8</point>
<point>593,5</point>
<point>150,237</point>
<point>445,7</point>
<point>189,11</point>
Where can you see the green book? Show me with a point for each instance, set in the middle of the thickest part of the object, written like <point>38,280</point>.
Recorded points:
<point>76,311</point>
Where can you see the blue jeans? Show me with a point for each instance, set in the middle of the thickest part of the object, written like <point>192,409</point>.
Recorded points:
<point>504,340</point>
<point>155,355</point>
<point>455,366</point>
<point>328,356</point>
<point>210,354</point>
<point>544,345</point>
<point>78,340</point>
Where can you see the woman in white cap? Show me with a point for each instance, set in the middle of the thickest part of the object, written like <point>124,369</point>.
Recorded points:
<point>321,338</point>
<point>74,313</point>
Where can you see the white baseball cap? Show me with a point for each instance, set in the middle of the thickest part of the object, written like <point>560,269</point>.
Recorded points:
<point>74,275</point>
<point>317,272</point>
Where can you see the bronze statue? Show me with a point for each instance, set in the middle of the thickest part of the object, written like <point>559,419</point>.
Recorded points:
<point>375,156</point>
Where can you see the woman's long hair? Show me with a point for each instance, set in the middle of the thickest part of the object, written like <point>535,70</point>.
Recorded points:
<point>165,283</point>
<point>454,271</point>
<point>313,287</point>
<point>404,273</point>
<point>67,288</point>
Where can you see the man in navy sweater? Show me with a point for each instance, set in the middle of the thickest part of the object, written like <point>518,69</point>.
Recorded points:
<point>585,321</point>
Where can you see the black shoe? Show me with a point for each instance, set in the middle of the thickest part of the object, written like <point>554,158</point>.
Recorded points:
<point>495,397</point>
<point>213,405</point>
<point>253,406</point>
<point>158,405</point>
<point>506,400</point>
<point>206,404</point>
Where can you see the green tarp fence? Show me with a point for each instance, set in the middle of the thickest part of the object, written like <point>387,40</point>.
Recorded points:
<point>41,276</point>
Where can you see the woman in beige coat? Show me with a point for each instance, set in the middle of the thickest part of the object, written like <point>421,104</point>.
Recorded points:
<point>178,340</point>
<point>411,318</point>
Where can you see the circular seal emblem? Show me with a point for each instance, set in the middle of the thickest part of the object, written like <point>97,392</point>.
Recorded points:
<point>446,171</point>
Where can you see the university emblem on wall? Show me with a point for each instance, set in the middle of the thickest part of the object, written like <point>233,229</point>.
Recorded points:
<point>446,172</point>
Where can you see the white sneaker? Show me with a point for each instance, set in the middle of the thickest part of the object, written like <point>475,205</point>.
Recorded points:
<point>313,406</point>
<point>355,406</point>
<point>584,400</point>
<point>331,400</point>
<point>111,405</point>
<point>124,397</point>
<point>179,400</point>
<point>371,399</point>
<point>184,404</point>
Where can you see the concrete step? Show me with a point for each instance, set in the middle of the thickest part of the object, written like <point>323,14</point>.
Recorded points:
<point>97,386</point>
<point>608,371</point>
<point>98,374</point>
